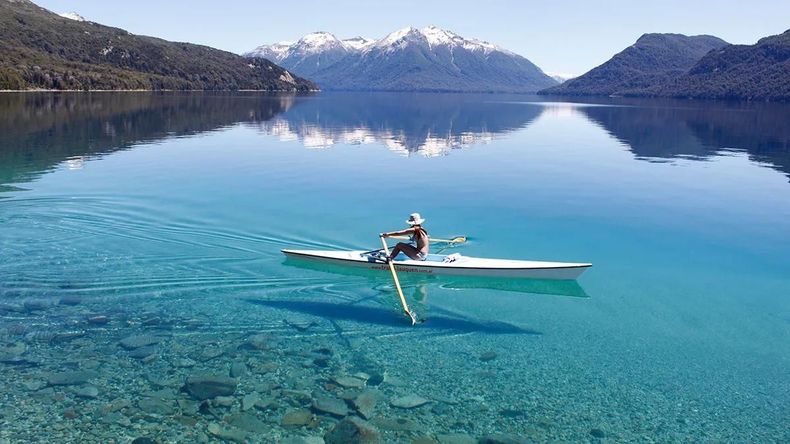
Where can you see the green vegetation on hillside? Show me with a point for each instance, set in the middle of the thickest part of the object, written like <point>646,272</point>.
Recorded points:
<point>756,72</point>
<point>40,49</point>
<point>652,60</point>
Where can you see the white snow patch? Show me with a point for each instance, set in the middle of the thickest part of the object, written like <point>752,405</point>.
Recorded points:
<point>318,39</point>
<point>395,37</point>
<point>437,36</point>
<point>561,76</point>
<point>72,16</point>
<point>358,43</point>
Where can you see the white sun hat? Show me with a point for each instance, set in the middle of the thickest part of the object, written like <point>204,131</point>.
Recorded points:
<point>415,219</point>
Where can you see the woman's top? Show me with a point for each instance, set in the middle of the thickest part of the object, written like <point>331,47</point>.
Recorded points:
<point>420,239</point>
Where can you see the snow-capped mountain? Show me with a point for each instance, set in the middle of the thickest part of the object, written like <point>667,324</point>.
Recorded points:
<point>408,59</point>
<point>72,16</point>
<point>311,53</point>
<point>561,77</point>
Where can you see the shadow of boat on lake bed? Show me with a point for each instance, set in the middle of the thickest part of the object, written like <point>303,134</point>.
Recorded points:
<point>386,317</point>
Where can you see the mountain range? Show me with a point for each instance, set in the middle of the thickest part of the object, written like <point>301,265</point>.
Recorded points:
<point>651,60</point>
<point>756,72</point>
<point>410,59</point>
<point>43,50</point>
<point>674,65</point>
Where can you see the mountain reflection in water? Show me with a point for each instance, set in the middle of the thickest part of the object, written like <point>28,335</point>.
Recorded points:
<point>39,131</point>
<point>424,124</point>
<point>659,130</point>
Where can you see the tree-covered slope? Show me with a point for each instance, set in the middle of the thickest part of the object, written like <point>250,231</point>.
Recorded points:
<point>760,71</point>
<point>652,60</point>
<point>40,49</point>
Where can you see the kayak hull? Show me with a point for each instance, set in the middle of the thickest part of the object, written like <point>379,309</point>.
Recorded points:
<point>440,265</point>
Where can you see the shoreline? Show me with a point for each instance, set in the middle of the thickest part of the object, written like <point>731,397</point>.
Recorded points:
<point>312,91</point>
<point>154,90</point>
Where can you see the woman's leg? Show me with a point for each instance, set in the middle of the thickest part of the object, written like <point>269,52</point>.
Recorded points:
<point>407,249</point>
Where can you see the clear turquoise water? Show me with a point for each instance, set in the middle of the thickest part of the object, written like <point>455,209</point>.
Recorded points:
<point>175,207</point>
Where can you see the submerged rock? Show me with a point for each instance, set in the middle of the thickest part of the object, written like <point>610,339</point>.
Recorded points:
<point>14,349</point>
<point>90,392</point>
<point>349,382</point>
<point>70,300</point>
<point>256,342</point>
<point>223,401</point>
<point>365,402</point>
<point>488,356</point>
<point>34,385</point>
<point>353,430</point>
<point>248,422</point>
<point>143,352</point>
<point>211,353</point>
<point>456,438</point>
<point>333,406</point>
<point>71,378</point>
<point>504,439</point>
<point>598,433</point>
<point>98,320</point>
<point>132,342</point>
<point>297,418</point>
<point>409,402</point>
<point>238,369</point>
<point>210,386</point>
<point>155,406</point>
<point>228,434</point>
<point>302,440</point>
<point>249,400</point>
<point>38,304</point>
<point>18,361</point>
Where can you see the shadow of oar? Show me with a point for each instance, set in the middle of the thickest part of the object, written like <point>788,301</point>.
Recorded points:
<point>383,316</point>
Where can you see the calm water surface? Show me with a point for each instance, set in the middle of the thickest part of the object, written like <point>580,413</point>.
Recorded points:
<point>162,216</point>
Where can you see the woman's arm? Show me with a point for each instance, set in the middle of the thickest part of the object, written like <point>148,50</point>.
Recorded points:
<point>398,233</point>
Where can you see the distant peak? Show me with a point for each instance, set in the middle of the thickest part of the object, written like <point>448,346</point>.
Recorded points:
<point>397,35</point>
<point>319,38</point>
<point>438,36</point>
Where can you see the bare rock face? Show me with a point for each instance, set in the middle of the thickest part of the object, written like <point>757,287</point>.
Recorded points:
<point>353,430</point>
<point>209,386</point>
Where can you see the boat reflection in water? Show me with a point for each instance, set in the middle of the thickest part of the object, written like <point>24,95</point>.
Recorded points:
<point>569,288</point>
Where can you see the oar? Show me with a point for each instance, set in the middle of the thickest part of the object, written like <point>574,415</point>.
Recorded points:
<point>397,283</point>
<point>455,240</point>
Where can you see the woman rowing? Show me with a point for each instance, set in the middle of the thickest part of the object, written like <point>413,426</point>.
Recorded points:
<point>418,248</point>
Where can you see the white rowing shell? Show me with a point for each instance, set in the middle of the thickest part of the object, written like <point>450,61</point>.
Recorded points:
<point>462,266</point>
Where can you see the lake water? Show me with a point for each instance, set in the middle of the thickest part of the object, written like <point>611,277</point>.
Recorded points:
<point>161,217</point>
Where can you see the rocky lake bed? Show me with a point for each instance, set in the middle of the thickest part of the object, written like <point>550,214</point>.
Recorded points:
<point>78,372</point>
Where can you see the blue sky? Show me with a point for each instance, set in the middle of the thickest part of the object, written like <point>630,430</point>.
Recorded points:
<point>561,36</point>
